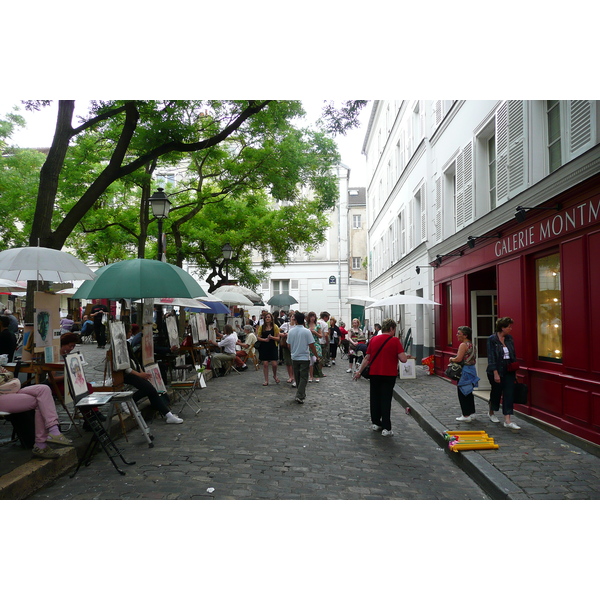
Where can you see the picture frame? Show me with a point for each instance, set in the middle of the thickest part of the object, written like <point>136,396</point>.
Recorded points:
<point>194,327</point>
<point>75,376</point>
<point>172,331</point>
<point>118,344</point>
<point>408,370</point>
<point>147,345</point>
<point>157,380</point>
<point>202,329</point>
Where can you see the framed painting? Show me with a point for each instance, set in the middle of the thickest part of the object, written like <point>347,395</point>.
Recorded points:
<point>157,380</point>
<point>172,332</point>
<point>408,370</point>
<point>118,345</point>
<point>75,376</point>
<point>202,330</point>
<point>147,345</point>
<point>194,327</point>
<point>46,315</point>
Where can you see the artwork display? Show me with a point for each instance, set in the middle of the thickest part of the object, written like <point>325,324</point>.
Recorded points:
<point>118,345</point>
<point>194,327</point>
<point>157,380</point>
<point>46,319</point>
<point>147,345</point>
<point>212,332</point>
<point>202,330</point>
<point>172,332</point>
<point>148,311</point>
<point>408,370</point>
<point>75,376</point>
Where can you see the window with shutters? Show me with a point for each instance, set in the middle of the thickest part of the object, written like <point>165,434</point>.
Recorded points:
<point>355,263</point>
<point>402,229</point>
<point>570,130</point>
<point>356,222</point>
<point>511,150</point>
<point>438,209</point>
<point>420,215</point>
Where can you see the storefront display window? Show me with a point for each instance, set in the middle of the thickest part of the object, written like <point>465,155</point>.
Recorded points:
<point>449,327</point>
<point>549,308</point>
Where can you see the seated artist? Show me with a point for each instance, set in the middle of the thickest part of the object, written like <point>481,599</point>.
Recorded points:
<point>135,376</point>
<point>227,343</point>
<point>248,344</point>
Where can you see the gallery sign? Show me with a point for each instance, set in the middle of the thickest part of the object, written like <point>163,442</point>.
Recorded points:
<point>564,222</point>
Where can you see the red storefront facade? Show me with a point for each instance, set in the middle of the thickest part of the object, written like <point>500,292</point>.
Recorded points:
<point>545,274</point>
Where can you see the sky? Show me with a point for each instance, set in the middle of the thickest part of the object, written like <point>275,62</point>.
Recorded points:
<point>40,129</point>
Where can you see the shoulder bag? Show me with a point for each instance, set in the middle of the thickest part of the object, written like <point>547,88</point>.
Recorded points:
<point>366,371</point>
<point>454,371</point>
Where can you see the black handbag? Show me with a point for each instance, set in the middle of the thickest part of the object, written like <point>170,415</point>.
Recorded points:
<point>366,371</point>
<point>520,395</point>
<point>454,371</point>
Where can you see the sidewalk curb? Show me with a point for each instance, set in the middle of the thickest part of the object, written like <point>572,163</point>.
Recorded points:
<point>492,481</point>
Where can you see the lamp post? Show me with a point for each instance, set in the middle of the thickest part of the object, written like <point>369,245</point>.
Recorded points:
<point>161,206</point>
<point>227,252</point>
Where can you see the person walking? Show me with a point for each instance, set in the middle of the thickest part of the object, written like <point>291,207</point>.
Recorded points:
<point>268,336</point>
<point>383,353</point>
<point>324,341</point>
<point>355,338</point>
<point>334,339</point>
<point>466,356</point>
<point>302,345</point>
<point>501,371</point>
<point>97,313</point>
<point>285,347</point>
<point>315,362</point>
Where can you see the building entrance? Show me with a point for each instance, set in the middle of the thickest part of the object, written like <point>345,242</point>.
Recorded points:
<point>484,312</point>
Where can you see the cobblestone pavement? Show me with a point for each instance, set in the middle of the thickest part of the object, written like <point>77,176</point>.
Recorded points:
<point>531,463</point>
<point>256,442</point>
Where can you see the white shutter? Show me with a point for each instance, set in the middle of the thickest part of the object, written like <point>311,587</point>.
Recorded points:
<point>468,204</point>
<point>403,232</point>
<point>517,148</point>
<point>511,149</point>
<point>436,107</point>
<point>438,210</point>
<point>411,225</point>
<point>423,213</point>
<point>459,214</point>
<point>579,127</point>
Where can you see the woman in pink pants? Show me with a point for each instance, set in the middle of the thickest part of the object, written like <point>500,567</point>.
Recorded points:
<point>38,397</point>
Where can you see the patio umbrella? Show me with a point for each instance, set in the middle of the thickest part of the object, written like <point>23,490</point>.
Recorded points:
<point>184,302</point>
<point>140,278</point>
<point>250,294</point>
<point>233,298</point>
<point>281,300</point>
<point>8,286</point>
<point>36,263</point>
<point>213,308</point>
<point>400,299</point>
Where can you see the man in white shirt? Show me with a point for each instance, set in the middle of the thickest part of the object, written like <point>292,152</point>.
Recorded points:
<point>324,341</point>
<point>302,344</point>
<point>227,345</point>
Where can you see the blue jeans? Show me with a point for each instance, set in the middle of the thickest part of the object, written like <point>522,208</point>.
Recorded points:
<point>505,390</point>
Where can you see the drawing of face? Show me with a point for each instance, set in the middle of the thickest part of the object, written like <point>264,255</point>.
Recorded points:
<point>43,324</point>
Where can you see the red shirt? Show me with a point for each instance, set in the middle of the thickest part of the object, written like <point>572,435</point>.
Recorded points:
<point>386,362</point>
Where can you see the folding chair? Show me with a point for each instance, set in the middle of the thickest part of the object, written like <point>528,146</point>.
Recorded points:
<point>186,391</point>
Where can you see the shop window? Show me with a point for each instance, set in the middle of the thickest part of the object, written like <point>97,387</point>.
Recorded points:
<point>549,308</point>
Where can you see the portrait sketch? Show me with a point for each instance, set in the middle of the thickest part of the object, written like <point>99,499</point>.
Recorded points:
<point>147,345</point>
<point>118,344</point>
<point>202,330</point>
<point>408,369</point>
<point>75,376</point>
<point>157,380</point>
<point>194,326</point>
<point>172,332</point>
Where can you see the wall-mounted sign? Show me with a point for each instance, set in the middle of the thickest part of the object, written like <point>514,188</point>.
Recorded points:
<point>332,280</point>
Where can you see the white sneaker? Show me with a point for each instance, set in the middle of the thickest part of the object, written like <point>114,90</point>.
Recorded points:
<point>294,384</point>
<point>174,419</point>
<point>511,425</point>
<point>386,432</point>
<point>348,370</point>
<point>464,419</point>
<point>494,419</point>
<point>333,362</point>
<point>376,427</point>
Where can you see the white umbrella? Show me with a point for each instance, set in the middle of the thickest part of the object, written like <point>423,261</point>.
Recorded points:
<point>401,299</point>
<point>185,302</point>
<point>233,298</point>
<point>361,300</point>
<point>7,285</point>
<point>38,263</point>
<point>240,289</point>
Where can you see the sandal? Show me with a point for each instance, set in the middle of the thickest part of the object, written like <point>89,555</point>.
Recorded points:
<point>276,380</point>
<point>266,383</point>
<point>290,381</point>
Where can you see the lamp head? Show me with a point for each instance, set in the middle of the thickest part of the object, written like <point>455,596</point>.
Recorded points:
<point>418,270</point>
<point>471,242</point>
<point>160,204</point>
<point>521,214</point>
<point>227,251</point>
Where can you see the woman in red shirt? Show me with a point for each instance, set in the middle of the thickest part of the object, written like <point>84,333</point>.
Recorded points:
<point>384,370</point>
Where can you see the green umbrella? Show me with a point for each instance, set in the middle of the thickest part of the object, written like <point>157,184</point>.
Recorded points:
<point>281,300</point>
<point>140,278</point>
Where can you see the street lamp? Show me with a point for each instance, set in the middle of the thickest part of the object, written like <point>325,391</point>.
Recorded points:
<point>227,252</point>
<point>161,206</point>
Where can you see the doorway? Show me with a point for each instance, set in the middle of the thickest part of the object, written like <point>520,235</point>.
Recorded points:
<point>484,312</point>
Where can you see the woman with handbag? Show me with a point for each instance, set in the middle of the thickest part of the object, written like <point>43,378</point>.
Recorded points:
<point>501,371</point>
<point>383,353</point>
<point>467,357</point>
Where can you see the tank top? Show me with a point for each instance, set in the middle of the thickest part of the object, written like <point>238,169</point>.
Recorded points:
<point>470,355</point>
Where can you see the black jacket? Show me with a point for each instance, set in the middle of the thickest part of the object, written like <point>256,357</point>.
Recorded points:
<point>495,352</point>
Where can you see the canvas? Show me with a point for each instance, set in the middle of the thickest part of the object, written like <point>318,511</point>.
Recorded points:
<point>75,376</point>
<point>118,344</point>
<point>147,345</point>
<point>172,332</point>
<point>157,380</point>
